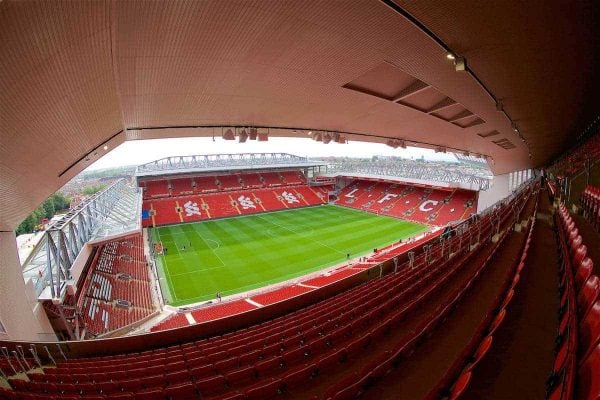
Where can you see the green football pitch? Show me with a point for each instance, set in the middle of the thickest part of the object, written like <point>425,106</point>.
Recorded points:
<point>239,254</point>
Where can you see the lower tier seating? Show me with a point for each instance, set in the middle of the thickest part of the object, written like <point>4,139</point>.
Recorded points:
<point>200,207</point>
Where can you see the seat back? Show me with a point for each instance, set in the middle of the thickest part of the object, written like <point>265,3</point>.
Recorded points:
<point>588,295</point>
<point>589,384</point>
<point>579,255</point>
<point>461,385</point>
<point>583,273</point>
<point>589,330</point>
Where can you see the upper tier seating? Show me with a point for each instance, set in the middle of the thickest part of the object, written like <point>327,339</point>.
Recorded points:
<point>214,183</point>
<point>252,181</point>
<point>204,184</point>
<point>272,179</point>
<point>575,160</point>
<point>155,189</point>
<point>182,186</point>
<point>423,205</point>
<point>117,288</point>
<point>229,182</point>
<point>293,177</point>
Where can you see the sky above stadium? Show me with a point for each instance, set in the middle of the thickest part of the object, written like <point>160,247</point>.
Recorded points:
<point>143,151</point>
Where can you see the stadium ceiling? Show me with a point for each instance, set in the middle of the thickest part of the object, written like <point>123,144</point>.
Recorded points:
<point>77,78</point>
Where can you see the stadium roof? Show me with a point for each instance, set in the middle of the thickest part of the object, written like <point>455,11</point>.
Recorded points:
<point>223,162</point>
<point>78,77</point>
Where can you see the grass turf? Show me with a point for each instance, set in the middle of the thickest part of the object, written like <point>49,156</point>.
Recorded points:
<point>238,254</point>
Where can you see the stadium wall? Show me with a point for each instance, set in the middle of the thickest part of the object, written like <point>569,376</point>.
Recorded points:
<point>22,315</point>
<point>498,190</point>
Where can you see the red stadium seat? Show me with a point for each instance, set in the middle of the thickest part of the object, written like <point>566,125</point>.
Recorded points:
<point>588,295</point>
<point>589,330</point>
<point>265,389</point>
<point>508,298</point>
<point>589,384</point>
<point>575,243</point>
<point>579,254</point>
<point>241,376</point>
<point>212,385</point>
<point>460,386</point>
<point>497,321</point>
<point>150,394</point>
<point>480,353</point>
<point>182,391</point>
<point>584,271</point>
<point>270,366</point>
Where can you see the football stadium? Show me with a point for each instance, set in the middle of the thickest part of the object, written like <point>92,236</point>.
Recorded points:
<point>430,230</point>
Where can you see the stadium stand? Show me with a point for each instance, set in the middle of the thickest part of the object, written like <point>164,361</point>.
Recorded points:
<point>171,322</point>
<point>283,354</point>
<point>281,294</point>
<point>504,304</point>
<point>206,184</point>
<point>575,160</point>
<point>424,205</point>
<point>117,289</point>
<point>179,209</point>
<point>182,186</point>
<point>293,178</point>
<point>153,189</point>
<point>252,181</point>
<point>271,179</point>
<point>228,182</point>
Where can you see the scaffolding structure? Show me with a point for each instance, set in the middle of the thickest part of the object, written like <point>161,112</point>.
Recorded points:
<point>223,162</point>
<point>111,211</point>
<point>473,178</point>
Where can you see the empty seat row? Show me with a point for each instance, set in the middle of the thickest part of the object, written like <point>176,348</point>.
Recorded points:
<point>578,338</point>
<point>104,286</point>
<point>575,160</point>
<point>206,184</point>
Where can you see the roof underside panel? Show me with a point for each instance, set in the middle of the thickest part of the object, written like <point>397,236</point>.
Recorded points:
<point>73,74</point>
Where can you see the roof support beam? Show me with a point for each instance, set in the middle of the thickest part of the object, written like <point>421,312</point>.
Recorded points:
<point>416,87</point>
